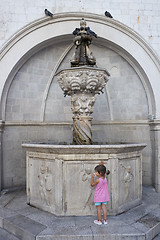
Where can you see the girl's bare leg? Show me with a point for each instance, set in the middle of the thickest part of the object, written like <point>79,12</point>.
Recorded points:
<point>99,212</point>
<point>104,209</point>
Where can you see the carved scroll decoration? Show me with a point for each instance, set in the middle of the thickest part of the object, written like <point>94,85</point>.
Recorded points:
<point>82,79</point>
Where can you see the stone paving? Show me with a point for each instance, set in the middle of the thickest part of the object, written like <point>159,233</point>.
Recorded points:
<point>21,221</point>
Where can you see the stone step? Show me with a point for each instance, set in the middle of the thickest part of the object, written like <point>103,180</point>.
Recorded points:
<point>23,227</point>
<point>21,221</point>
<point>4,235</point>
<point>157,237</point>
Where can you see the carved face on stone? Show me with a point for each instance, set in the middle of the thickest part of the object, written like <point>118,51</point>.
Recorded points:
<point>82,104</point>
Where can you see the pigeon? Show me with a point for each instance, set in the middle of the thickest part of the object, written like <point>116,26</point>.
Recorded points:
<point>90,32</point>
<point>76,31</point>
<point>108,14</point>
<point>48,13</point>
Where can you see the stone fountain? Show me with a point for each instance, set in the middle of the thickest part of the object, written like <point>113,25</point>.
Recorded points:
<point>58,176</point>
<point>82,81</point>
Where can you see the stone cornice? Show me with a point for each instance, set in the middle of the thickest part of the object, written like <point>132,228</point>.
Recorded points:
<point>127,122</point>
<point>155,125</point>
<point>1,125</point>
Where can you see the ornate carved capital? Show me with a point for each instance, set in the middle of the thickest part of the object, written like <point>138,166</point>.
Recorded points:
<point>82,79</point>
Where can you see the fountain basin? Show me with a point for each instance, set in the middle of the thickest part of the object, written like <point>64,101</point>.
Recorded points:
<point>58,177</point>
<point>82,79</point>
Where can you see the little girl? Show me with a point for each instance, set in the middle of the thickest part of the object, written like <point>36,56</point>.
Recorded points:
<point>101,195</point>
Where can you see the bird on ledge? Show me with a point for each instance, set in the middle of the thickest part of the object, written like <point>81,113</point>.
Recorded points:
<point>108,14</point>
<point>48,13</point>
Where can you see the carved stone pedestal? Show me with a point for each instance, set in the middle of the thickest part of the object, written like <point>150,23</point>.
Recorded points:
<point>58,177</point>
<point>82,83</point>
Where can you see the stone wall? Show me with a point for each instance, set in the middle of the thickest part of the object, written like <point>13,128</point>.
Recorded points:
<point>141,15</point>
<point>32,115</point>
<point>121,113</point>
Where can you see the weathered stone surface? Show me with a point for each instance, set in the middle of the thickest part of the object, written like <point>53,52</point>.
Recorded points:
<point>58,177</point>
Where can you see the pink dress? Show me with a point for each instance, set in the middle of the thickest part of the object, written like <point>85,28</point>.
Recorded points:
<point>101,193</point>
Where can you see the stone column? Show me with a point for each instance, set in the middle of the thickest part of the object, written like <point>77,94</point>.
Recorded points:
<point>155,139</point>
<point>82,83</point>
<point>1,131</point>
<point>82,108</point>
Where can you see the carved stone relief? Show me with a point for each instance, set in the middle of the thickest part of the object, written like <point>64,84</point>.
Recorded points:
<point>86,177</point>
<point>83,80</point>
<point>45,183</point>
<point>128,178</point>
<point>82,84</point>
<point>59,178</point>
<point>82,104</point>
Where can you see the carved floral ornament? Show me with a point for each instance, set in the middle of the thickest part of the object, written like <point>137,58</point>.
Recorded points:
<point>83,79</point>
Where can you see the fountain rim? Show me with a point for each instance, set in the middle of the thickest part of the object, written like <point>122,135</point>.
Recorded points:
<point>84,149</point>
<point>84,67</point>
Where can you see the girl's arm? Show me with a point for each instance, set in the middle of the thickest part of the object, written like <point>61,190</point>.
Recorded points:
<point>94,182</point>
